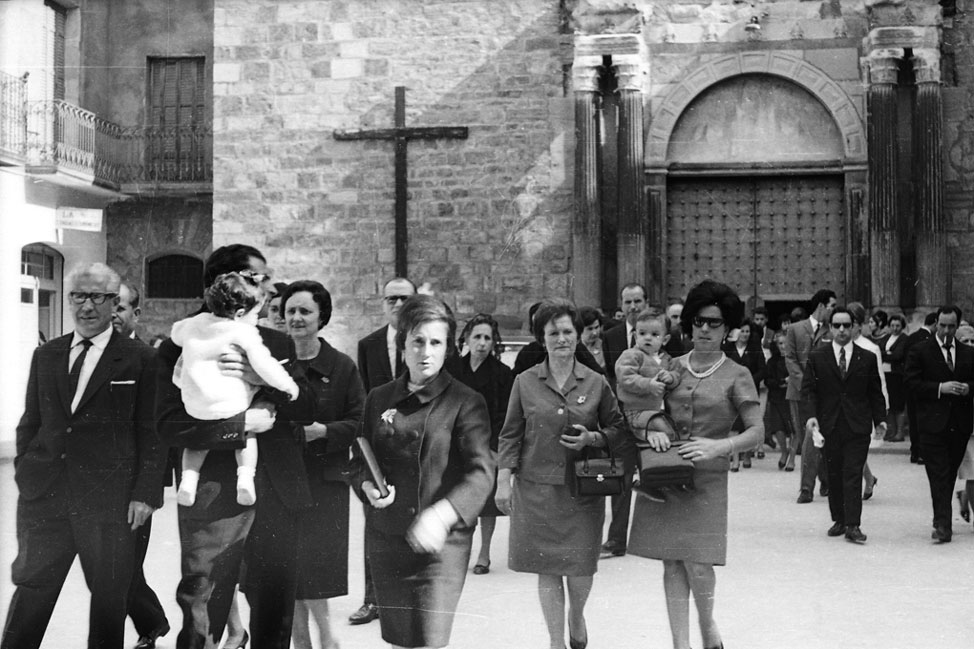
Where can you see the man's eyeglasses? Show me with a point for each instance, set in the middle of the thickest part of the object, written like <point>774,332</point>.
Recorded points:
<point>254,277</point>
<point>842,325</point>
<point>78,297</point>
<point>391,300</point>
<point>713,323</point>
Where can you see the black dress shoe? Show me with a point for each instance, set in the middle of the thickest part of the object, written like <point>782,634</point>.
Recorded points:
<point>613,548</point>
<point>837,529</point>
<point>804,496</point>
<point>941,534</point>
<point>365,614</point>
<point>148,641</point>
<point>854,534</point>
<point>823,491</point>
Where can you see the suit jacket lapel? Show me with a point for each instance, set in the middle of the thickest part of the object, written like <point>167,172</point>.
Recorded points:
<point>103,370</point>
<point>61,375</point>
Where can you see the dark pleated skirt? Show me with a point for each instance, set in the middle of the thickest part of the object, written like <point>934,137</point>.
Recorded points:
<point>417,594</point>
<point>553,532</point>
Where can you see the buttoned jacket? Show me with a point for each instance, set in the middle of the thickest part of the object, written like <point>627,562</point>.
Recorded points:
<point>539,412</point>
<point>431,445</point>
<point>926,369</point>
<point>107,450</point>
<point>857,397</point>
<point>799,341</point>
<point>373,359</point>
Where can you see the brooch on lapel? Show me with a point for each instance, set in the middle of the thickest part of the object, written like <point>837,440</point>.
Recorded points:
<point>325,379</point>
<point>581,399</point>
<point>388,416</point>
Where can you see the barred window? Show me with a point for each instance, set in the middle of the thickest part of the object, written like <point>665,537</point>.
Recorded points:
<point>174,277</point>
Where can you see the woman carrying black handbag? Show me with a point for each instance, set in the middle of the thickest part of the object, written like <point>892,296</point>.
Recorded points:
<point>688,531</point>
<point>557,409</point>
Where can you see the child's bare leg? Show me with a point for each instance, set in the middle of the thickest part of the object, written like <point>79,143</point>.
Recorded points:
<point>192,463</point>
<point>246,468</point>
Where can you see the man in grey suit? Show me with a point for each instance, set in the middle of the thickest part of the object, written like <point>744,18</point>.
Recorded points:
<point>801,337</point>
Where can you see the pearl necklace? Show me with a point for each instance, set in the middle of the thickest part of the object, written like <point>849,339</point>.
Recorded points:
<point>707,372</point>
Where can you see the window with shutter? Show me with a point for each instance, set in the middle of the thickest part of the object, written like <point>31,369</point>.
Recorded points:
<point>176,148</point>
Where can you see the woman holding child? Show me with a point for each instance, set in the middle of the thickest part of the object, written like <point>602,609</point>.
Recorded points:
<point>557,408</point>
<point>688,530</point>
<point>322,542</point>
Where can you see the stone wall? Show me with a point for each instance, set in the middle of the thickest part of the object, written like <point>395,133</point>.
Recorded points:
<point>488,217</point>
<point>140,230</point>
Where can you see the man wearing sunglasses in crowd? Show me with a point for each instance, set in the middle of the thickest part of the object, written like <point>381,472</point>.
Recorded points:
<point>379,361</point>
<point>842,400</point>
<point>88,467</point>
<point>217,534</point>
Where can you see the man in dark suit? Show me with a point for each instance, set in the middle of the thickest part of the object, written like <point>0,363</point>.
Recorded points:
<point>842,399</point>
<point>614,342</point>
<point>88,467</point>
<point>915,338</point>
<point>144,607</point>
<point>800,338</point>
<point>379,361</point>
<point>216,533</point>
<point>679,343</point>
<point>940,373</point>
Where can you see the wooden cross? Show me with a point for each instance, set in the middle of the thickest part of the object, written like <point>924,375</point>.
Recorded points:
<point>401,134</point>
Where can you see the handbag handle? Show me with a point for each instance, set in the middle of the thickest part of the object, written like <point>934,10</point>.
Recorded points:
<point>612,457</point>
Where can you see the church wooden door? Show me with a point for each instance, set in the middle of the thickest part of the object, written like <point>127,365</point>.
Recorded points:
<point>780,237</point>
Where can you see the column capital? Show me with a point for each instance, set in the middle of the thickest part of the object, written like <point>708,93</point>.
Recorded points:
<point>629,72</point>
<point>585,73</point>
<point>884,65</point>
<point>926,65</point>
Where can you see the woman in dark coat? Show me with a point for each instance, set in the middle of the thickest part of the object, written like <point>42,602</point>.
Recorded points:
<point>431,438</point>
<point>483,371</point>
<point>323,540</point>
<point>746,351</point>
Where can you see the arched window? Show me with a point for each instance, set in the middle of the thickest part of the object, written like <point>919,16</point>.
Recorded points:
<point>174,277</point>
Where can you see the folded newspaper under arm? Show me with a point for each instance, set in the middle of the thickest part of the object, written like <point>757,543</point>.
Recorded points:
<point>375,473</point>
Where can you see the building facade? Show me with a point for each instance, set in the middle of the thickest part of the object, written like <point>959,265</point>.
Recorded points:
<point>105,155</point>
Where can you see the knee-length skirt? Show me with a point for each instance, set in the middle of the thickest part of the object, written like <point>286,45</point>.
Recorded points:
<point>417,594</point>
<point>553,532</point>
<point>689,526</point>
<point>323,542</point>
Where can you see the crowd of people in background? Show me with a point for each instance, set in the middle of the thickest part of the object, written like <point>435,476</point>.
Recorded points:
<point>265,428</point>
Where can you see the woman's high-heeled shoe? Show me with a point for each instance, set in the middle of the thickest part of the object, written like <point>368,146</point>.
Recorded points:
<point>965,511</point>
<point>240,645</point>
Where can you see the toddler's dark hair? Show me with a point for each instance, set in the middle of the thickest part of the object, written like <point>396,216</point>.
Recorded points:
<point>232,291</point>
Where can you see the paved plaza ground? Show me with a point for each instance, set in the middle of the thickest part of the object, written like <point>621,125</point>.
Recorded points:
<point>786,584</point>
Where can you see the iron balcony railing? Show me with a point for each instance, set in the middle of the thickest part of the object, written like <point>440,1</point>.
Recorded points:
<point>63,137</point>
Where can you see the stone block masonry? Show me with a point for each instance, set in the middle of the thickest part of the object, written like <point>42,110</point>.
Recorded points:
<point>488,217</point>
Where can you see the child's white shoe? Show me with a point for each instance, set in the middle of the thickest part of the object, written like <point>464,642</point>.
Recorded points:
<point>246,491</point>
<point>186,496</point>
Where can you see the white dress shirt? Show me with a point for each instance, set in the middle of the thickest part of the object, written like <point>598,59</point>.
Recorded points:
<point>98,344</point>
<point>391,349</point>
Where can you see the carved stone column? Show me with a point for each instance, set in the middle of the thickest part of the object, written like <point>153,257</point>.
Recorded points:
<point>932,264</point>
<point>633,240</point>
<point>587,218</point>
<point>883,213</point>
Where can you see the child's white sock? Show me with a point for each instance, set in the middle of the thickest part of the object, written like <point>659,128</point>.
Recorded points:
<point>186,495</point>
<point>246,491</point>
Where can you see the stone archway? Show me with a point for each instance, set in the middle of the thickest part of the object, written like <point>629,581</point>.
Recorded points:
<point>788,66</point>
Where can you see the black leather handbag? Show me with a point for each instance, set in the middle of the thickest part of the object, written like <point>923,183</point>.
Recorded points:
<point>598,476</point>
<point>662,469</point>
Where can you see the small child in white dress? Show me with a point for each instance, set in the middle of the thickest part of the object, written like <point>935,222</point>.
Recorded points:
<point>234,301</point>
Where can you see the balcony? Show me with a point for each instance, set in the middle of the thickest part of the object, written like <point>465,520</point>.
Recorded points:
<point>74,146</point>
